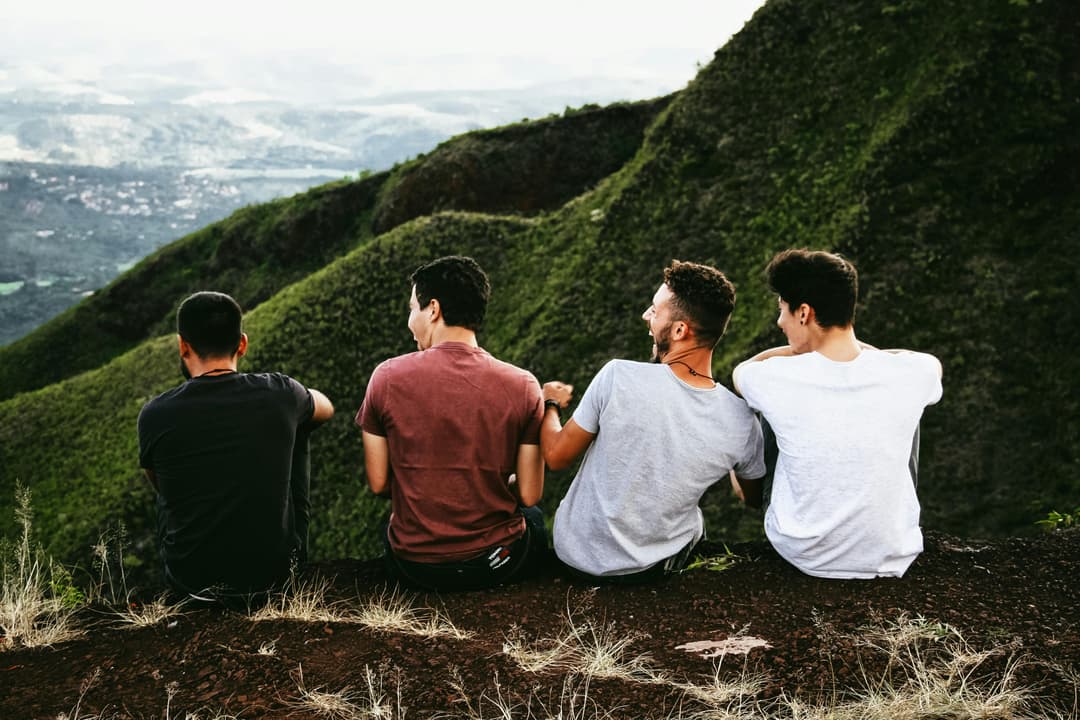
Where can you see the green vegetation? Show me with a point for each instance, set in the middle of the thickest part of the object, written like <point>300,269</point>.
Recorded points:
<point>935,143</point>
<point>1055,520</point>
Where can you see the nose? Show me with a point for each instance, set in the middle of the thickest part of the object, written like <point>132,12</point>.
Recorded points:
<point>647,314</point>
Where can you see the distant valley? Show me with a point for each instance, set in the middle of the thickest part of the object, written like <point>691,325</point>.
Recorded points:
<point>67,230</point>
<point>95,177</point>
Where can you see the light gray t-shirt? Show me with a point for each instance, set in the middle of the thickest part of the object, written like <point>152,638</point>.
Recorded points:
<point>843,502</point>
<point>659,445</point>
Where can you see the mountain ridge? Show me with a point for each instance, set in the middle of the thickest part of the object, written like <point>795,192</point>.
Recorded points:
<point>933,143</point>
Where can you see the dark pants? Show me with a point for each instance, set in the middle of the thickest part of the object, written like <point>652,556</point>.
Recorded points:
<point>495,566</point>
<point>657,572</point>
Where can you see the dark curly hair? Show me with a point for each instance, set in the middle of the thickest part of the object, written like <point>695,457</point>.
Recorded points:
<point>704,298</point>
<point>211,323</point>
<point>825,281</point>
<point>460,286</point>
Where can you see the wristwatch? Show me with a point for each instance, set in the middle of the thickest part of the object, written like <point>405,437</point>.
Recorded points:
<point>553,403</point>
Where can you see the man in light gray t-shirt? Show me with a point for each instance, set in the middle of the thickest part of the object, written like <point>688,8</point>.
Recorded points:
<point>655,436</point>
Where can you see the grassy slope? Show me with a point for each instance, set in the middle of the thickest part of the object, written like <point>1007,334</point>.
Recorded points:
<point>933,142</point>
<point>527,168</point>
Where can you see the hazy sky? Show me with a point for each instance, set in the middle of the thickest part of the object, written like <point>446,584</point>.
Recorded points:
<point>562,39</point>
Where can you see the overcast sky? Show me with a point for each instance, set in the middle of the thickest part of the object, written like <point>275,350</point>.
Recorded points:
<point>486,40</point>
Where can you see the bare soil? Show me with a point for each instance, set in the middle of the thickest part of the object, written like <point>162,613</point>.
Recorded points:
<point>1017,597</point>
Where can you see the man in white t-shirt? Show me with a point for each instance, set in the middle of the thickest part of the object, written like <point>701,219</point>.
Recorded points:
<point>843,501</point>
<point>655,436</point>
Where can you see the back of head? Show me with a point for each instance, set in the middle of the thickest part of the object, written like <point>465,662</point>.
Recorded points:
<point>827,282</point>
<point>211,323</point>
<point>460,286</point>
<point>703,298</point>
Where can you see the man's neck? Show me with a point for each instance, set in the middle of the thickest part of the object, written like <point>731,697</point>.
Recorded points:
<point>692,365</point>
<point>453,333</point>
<point>199,367</point>
<point>837,344</point>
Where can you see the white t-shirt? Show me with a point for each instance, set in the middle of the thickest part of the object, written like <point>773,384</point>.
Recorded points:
<point>659,445</point>
<point>843,500</point>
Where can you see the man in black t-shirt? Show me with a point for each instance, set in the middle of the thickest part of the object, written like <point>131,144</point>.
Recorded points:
<point>227,454</point>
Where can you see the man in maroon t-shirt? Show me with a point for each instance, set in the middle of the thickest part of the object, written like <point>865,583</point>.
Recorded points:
<point>446,430</point>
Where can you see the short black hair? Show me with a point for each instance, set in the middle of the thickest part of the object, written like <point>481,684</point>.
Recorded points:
<point>211,323</point>
<point>825,281</point>
<point>703,298</point>
<point>460,286</point>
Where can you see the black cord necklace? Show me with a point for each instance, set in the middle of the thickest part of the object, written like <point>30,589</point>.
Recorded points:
<point>693,372</point>
<point>216,370</point>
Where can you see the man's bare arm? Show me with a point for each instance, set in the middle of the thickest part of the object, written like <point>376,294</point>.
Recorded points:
<point>377,463</point>
<point>561,444</point>
<point>781,351</point>
<point>749,490</point>
<point>530,474</point>
<point>324,409</point>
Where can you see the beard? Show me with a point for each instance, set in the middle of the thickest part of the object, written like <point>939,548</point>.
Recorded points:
<point>183,370</point>
<point>661,343</point>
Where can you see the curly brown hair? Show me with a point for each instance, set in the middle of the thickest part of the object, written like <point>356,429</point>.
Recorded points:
<point>704,298</point>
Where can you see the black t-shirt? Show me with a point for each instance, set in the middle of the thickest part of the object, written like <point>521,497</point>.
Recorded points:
<point>221,450</point>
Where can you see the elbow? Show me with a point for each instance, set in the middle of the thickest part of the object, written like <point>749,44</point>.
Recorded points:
<point>554,461</point>
<point>528,499</point>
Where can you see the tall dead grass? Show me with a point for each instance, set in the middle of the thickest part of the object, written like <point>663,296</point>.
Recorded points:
<point>38,601</point>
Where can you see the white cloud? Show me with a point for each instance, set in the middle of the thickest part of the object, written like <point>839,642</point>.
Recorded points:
<point>567,38</point>
<point>224,97</point>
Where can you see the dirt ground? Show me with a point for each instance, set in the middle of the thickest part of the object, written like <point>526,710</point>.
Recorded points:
<point>1016,598</point>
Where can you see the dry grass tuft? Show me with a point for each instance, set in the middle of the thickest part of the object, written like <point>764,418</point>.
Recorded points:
<point>148,614</point>
<point>573,703</point>
<point>931,672</point>
<point>37,600</point>
<point>389,611</point>
<point>734,697</point>
<point>371,702</point>
<point>583,648</point>
<point>305,602</point>
<point>393,611</point>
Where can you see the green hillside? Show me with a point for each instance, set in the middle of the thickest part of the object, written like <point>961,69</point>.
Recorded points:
<point>525,168</point>
<point>935,143</point>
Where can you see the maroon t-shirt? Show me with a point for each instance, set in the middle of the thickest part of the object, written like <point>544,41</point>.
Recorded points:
<point>453,417</point>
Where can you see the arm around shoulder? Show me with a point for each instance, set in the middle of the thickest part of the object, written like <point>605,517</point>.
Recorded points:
<point>781,351</point>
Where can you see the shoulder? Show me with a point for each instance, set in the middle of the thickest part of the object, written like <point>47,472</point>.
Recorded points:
<point>754,369</point>
<point>621,372</point>
<point>510,369</point>
<point>398,364</point>
<point>161,410</point>
<point>632,368</point>
<point>161,402</point>
<point>501,372</point>
<point>911,360</point>
<point>273,381</point>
